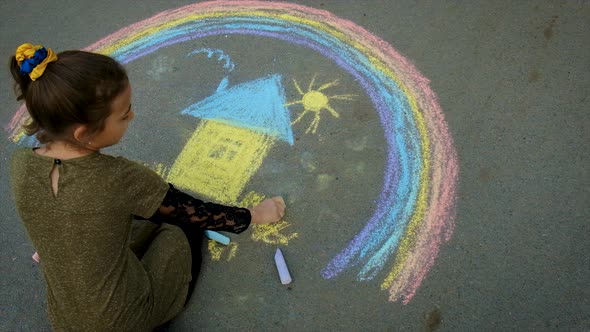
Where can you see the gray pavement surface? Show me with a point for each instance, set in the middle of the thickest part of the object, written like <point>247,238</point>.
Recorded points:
<point>513,79</point>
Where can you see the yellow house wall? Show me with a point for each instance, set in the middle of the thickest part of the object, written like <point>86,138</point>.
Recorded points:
<point>218,160</point>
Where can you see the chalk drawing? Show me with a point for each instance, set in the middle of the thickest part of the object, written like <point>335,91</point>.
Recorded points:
<point>221,56</point>
<point>271,234</point>
<point>229,145</point>
<point>239,125</point>
<point>160,66</point>
<point>314,101</point>
<point>415,211</point>
<point>307,162</point>
<point>274,234</point>
<point>324,181</point>
<point>217,250</point>
<point>228,65</point>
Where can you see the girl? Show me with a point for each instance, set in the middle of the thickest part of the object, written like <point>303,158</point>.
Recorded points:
<point>103,271</point>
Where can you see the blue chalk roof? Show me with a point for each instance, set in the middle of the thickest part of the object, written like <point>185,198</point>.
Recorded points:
<point>258,105</point>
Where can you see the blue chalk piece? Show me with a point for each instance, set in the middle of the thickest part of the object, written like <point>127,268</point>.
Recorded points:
<point>282,268</point>
<point>218,237</point>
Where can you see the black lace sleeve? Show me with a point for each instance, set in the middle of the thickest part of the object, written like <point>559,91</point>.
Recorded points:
<point>179,207</point>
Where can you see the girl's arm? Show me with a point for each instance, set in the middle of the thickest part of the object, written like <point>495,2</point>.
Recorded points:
<point>179,207</point>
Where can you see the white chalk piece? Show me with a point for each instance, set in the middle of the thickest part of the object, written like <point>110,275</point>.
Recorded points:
<point>36,257</point>
<point>282,268</point>
<point>218,237</point>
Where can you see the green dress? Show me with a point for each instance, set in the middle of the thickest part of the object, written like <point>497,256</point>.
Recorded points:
<point>104,271</point>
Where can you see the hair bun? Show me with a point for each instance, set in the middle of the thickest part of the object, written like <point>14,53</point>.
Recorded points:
<point>33,59</point>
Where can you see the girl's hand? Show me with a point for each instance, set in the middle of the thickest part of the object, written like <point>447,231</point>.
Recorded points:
<point>269,211</point>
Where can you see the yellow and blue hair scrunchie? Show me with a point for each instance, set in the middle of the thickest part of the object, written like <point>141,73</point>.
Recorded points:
<point>33,59</point>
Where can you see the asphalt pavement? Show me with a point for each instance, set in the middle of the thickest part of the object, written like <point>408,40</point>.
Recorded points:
<point>433,156</point>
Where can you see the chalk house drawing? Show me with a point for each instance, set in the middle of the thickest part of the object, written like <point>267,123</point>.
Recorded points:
<point>239,126</point>
<point>416,208</point>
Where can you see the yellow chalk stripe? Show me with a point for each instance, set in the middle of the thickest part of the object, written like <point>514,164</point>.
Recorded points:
<point>417,219</point>
<point>18,135</point>
<point>219,159</point>
<point>271,233</point>
<point>280,16</point>
<point>217,250</point>
<point>251,199</point>
<point>160,169</point>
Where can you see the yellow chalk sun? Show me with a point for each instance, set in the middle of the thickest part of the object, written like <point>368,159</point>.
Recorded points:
<point>314,101</point>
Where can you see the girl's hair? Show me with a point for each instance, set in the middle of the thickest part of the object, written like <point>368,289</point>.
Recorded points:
<point>78,88</point>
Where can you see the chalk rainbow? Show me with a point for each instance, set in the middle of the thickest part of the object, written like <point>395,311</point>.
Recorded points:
<point>415,212</point>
